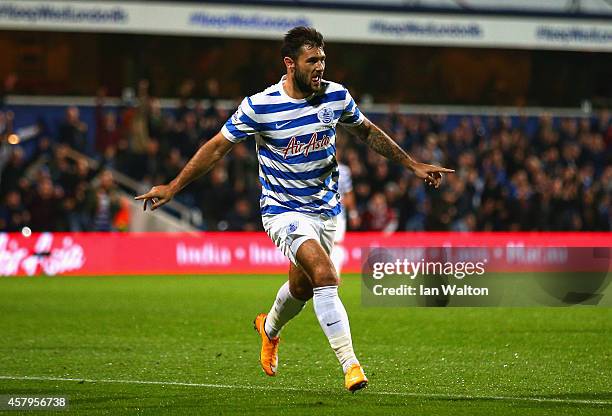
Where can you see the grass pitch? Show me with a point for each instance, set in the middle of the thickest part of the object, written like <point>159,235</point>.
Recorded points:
<point>185,345</point>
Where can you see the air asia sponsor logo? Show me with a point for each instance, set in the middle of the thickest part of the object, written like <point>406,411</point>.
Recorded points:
<point>295,147</point>
<point>46,257</point>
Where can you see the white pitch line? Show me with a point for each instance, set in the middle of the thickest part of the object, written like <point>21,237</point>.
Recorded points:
<point>381,393</point>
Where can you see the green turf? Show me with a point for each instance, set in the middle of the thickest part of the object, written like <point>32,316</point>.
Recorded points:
<point>459,361</point>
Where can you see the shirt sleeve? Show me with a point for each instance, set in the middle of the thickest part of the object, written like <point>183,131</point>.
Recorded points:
<point>345,182</point>
<point>351,114</point>
<point>240,126</point>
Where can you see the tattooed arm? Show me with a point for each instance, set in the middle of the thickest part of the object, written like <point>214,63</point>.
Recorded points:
<point>202,162</point>
<point>380,142</point>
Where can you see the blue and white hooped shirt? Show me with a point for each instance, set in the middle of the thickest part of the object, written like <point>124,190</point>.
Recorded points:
<point>296,145</point>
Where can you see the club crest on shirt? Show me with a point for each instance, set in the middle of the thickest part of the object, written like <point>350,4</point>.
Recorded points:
<point>296,147</point>
<point>325,115</point>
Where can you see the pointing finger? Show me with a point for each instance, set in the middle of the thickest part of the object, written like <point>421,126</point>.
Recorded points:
<point>442,170</point>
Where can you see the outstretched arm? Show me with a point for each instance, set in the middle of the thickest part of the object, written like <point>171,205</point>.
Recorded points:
<point>202,162</point>
<point>380,142</point>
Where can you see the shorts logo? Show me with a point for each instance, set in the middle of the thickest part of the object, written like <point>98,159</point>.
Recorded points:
<point>325,115</point>
<point>292,227</point>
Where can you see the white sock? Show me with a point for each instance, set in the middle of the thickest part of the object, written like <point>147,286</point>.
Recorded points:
<point>337,257</point>
<point>335,324</point>
<point>285,307</point>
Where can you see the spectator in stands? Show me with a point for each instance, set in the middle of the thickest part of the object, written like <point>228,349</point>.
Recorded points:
<point>156,122</point>
<point>138,127</point>
<point>124,158</point>
<point>219,190</point>
<point>73,132</point>
<point>413,205</point>
<point>172,165</point>
<point>243,217</point>
<point>379,217</point>
<point>105,203</point>
<point>516,173</point>
<point>45,206</point>
<point>242,168</point>
<point>186,95</point>
<point>13,214</point>
<point>14,168</point>
<point>74,173</point>
<point>76,208</point>
<point>149,164</point>
<point>187,135</point>
<point>77,192</point>
<point>107,131</point>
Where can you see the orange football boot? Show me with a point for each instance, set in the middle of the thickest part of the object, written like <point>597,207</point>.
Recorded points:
<point>268,357</point>
<point>355,378</point>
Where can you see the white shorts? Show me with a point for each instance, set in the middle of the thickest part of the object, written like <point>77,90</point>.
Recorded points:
<point>341,227</point>
<point>290,229</point>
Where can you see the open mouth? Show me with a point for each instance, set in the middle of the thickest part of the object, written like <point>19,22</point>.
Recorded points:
<point>316,79</point>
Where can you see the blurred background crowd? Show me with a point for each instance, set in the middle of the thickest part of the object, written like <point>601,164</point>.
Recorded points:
<point>539,173</point>
<point>90,117</point>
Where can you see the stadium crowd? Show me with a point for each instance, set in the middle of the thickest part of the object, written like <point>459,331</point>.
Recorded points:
<point>511,174</point>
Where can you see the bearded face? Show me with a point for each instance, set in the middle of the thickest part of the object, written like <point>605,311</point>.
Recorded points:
<point>309,67</point>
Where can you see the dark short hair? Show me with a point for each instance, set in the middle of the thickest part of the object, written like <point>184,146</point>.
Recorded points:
<point>298,37</point>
